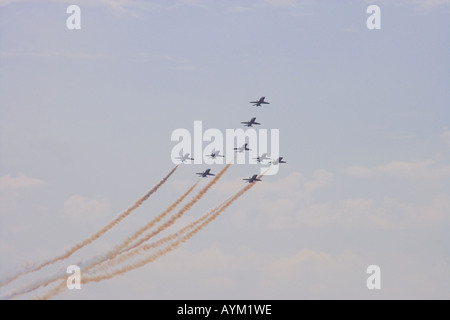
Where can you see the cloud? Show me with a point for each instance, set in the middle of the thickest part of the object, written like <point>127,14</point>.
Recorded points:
<point>351,29</point>
<point>296,184</point>
<point>283,201</point>
<point>354,212</point>
<point>22,181</point>
<point>348,213</point>
<point>127,6</point>
<point>418,5</point>
<point>194,3</point>
<point>20,229</point>
<point>80,208</point>
<point>85,55</point>
<point>243,273</point>
<point>13,54</point>
<point>298,273</point>
<point>7,249</point>
<point>424,169</point>
<point>308,260</point>
<point>286,203</point>
<point>446,136</point>
<point>431,4</point>
<point>239,9</point>
<point>118,6</point>
<point>295,201</point>
<point>280,3</point>
<point>321,179</point>
<point>314,273</point>
<point>211,268</point>
<point>357,213</point>
<point>179,63</point>
<point>402,214</point>
<point>52,55</point>
<point>185,68</point>
<point>188,3</point>
<point>305,260</point>
<point>219,282</point>
<point>6,2</point>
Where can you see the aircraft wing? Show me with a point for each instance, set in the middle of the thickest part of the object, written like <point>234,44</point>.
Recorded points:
<point>262,101</point>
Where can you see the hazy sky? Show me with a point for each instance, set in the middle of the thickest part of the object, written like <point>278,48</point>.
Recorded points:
<point>86,118</point>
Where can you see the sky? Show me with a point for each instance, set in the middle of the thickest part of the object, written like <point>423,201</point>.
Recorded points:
<point>86,118</point>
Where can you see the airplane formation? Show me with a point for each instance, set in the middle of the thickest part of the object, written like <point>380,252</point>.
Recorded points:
<point>214,154</point>
<point>114,262</point>
<point>101,268</point>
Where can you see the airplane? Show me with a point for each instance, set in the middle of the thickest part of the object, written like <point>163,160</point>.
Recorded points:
<point>262,158</point>
<point>215,154</point>
<point>243,148</point>
<point>277,161</point>
<point>205,174</point>
<point>252,179</point>
<point>250,123</point>
<point>184,158</point>
<point>259,102</point>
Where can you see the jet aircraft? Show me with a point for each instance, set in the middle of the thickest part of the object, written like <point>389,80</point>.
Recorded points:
<point>214,154</point>
<point>184,158</point>
<point>277,161</point>
<point>262,157</point>
<point>205,174</point>
<point>259,102</point>
<point>243,148</point>
<point>252,179</point>
<point>250,123</point>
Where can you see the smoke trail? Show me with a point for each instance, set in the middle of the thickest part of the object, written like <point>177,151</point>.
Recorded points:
<point>108,256</point>
<point>209,217</point>
<point>94,237</point>
<point>172,246</point>
<point>58,289</point>
<point>149,225</point>
<point>168,223</point>
<point>123,247</point>
<point>180,213</point>
<point>131,252</point>
<point>202,192</point>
